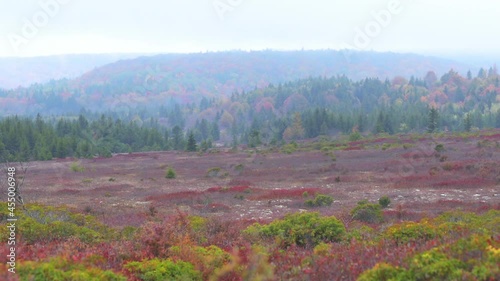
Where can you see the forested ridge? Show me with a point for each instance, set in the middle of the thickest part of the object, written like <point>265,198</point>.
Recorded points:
<point>272,115</point>
<point>185,78</point>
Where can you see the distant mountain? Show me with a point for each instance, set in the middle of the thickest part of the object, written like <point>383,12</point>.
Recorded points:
<point>223,72</point>
<point>186,78</point>
<point>15,72</point>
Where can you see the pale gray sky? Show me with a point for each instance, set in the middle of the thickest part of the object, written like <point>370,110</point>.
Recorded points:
<point>48,27</point>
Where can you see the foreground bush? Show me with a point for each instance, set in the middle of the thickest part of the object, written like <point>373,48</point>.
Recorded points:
<point>60,269</point>
<point>170,173</point>
<point>384,201</point>
<point>412,231</point>
<point>367,212</point>
<point>40,223</point>
<point>206,260</point>
<point>474,258</point>
<point>320,201</point>
<point>163,270</point>
<point>301,229</point>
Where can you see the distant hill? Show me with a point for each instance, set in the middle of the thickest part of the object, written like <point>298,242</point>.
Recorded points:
<point>15,72</point>
<point>223,72</point>
<point>186,78</point>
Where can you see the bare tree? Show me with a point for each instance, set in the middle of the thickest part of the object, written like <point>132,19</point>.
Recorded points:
<point>21,169</point>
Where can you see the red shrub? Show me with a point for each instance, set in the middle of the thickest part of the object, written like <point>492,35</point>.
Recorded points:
<point>286,193</point>
<point>239,188</point>
<point>173,196</point>
<point>212,208</point>
<point>215,189</point>
<point>468,182</point>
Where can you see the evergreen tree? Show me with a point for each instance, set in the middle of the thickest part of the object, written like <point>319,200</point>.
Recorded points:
<point>191,143</point>
<point>295,130</point>
<point>432,124</point>
<point>379,127</point>
<point>215,131</point>
<point>254,138</point>
<point>467,122</point>
<point>177,138</point>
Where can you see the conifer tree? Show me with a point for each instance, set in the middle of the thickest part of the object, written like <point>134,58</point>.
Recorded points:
<point>191,143</point>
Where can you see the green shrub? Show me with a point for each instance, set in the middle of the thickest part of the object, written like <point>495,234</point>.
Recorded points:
<point>239,168</point>
<point>77,167</point>
<point>384,201</point>
<point>301,229</point>
<point>412,231</point>
<point>87,180</point>
<point>434,265</point>
<point>59,269</point>
<point>354,136</point>
<point>439,148</point>
<point>45,223</point>
<point>320,201</point>
<point>382,272</point>
<point>213,172</point>
<point>290,148</point>
<point>473,258</point>
<point>170,173</point>
<point>207,259</point>
<point>163,270</point>
<point>367,212</point>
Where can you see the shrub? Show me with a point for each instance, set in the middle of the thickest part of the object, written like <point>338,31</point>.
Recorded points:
<point>87,180</point>
<point>207,260</point>
<point>239,168</point>
<point>170,173</point>
<point>59,269</point>
<point>320,201</point>
<point>367,212</point>
<point>301,229</point>
<point>384,201</point>
<point>411,231</point>
<point>439,148</point>
<point>213,172</point>
<point>77,167</point>
<point>162,270</point>
<point>434,265</point>
<point>290,148</point>
<point>45,224</point>
<point>354,136</point>
<point>381,272</point>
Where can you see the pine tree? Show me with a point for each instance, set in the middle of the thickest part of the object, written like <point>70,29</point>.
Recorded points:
<point>467,122</point>
<point>191,143</point>
<point>295,130</point>
<point>254,138</point>
<point>432,124</point>
<point>379,127</point>
<point>177,139</point>
<point>215,131</point>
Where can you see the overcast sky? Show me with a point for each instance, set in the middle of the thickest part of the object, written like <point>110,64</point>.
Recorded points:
<point>32,28</point>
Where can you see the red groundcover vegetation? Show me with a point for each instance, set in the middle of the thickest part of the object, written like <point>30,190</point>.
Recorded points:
<point>401,209</point>
<point>56,243</point>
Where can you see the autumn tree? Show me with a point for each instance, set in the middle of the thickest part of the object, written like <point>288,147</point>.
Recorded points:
<point>295,130</point>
